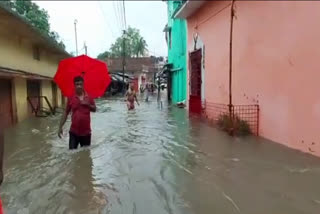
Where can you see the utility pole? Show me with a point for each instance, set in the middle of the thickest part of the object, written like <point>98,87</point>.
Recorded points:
<point>85,48</point>
<point>123,54</point>
<point>124,40</point>
<point>75,32</point>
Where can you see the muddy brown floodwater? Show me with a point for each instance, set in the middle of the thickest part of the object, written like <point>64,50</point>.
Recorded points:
<point>153,161</point>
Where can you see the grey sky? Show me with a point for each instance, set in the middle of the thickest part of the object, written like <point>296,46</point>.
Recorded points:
<point>99,27</point>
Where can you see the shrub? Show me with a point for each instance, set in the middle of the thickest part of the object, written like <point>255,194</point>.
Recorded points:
<point>234,127</point>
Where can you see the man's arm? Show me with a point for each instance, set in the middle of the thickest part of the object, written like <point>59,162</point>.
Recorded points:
<point>126,96</point>
<point>92,106</point>
<point>1,155</point>
<point>62,122</point>
<point>64,119</point>
<point>135,96</point>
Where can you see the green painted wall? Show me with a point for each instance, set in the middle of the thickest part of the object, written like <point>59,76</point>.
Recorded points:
<point>177,53</point>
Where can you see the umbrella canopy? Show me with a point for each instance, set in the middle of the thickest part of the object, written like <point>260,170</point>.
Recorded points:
<point>94,72</point>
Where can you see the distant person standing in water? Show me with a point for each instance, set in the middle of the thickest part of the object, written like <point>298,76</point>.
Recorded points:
<point>80,105</point>
<point>131,97</point>
<point>148,92</point>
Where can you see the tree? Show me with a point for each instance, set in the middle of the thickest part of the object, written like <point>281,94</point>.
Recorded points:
<point>141,48</point>
<point>116,49</point>
<point>36,16</point>
<point>7,3</point>
<point>55,36</point>
<point>135,45</point>
<point>106,54</point>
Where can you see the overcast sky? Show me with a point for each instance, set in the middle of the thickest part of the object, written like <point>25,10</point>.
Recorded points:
<point>98,23</point>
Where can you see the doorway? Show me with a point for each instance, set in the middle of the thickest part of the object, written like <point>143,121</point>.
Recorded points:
<point>5,104</point>
<point>195,81</point>
<point>33,92</point>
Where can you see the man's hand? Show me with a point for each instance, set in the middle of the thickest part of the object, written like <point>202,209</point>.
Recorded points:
<point>85,102</point>
<point>60,133</point>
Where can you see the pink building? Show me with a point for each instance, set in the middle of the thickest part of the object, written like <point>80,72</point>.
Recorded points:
<point>275,63</point>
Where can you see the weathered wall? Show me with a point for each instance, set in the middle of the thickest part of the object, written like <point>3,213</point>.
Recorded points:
<point>21,103</point>
<point>18,54</point>
<point>275,64</point>
<point>46,90</point>
<point>59,98</point>
<point>214,34</point>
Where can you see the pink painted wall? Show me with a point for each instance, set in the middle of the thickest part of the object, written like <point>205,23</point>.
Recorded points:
<point>276,63</point>
<point>215,37</point>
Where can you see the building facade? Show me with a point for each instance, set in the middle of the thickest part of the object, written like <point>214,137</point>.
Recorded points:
<point>141,69</point>
<point>28,62</point>
<point>274,63</point>
<point>176,36</point>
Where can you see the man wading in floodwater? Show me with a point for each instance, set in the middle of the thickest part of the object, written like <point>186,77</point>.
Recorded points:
<point>131,97</point>
<point>80,105</point>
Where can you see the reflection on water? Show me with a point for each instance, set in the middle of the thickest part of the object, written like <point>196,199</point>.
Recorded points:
<point>153,160</point>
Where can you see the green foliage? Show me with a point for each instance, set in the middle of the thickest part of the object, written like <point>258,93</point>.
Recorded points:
<point>236,126</point>
<point>106,54</point>
<point>242,127</point>
<point>55,36</point>
<point>7,3</point>
<point>224,122</point>
<point>135,45</point>
<point>36,16</point>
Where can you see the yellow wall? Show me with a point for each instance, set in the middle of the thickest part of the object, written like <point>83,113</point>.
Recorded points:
<point>20,89</point>
<point>17,53</point>
<point>46,90</point>
<point>20,96</point>
<point>59,97</point>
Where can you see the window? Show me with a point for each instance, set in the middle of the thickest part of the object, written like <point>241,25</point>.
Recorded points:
<point>36,53</point>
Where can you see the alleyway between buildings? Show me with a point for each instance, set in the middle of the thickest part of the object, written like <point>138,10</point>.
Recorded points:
<point>153,160</point>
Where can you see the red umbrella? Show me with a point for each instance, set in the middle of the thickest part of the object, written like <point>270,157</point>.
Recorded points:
<point>94,72</point>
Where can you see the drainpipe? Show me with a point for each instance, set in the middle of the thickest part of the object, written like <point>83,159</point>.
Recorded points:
<point>230,57</point>
<point>231,113</point>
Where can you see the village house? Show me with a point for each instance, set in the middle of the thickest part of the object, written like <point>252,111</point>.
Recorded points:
<point>271,48</point>
<point>142,69</point>
<point>28,62</point>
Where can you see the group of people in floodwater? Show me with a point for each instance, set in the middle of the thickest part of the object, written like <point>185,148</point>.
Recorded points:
<point>149,88</point>
<point>80,105</point>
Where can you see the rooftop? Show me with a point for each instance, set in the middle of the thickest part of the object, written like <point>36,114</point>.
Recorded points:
<point>14,24</point>
<point>146,64</point>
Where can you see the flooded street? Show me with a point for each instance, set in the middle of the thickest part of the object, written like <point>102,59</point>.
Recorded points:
<point>153,160</point>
